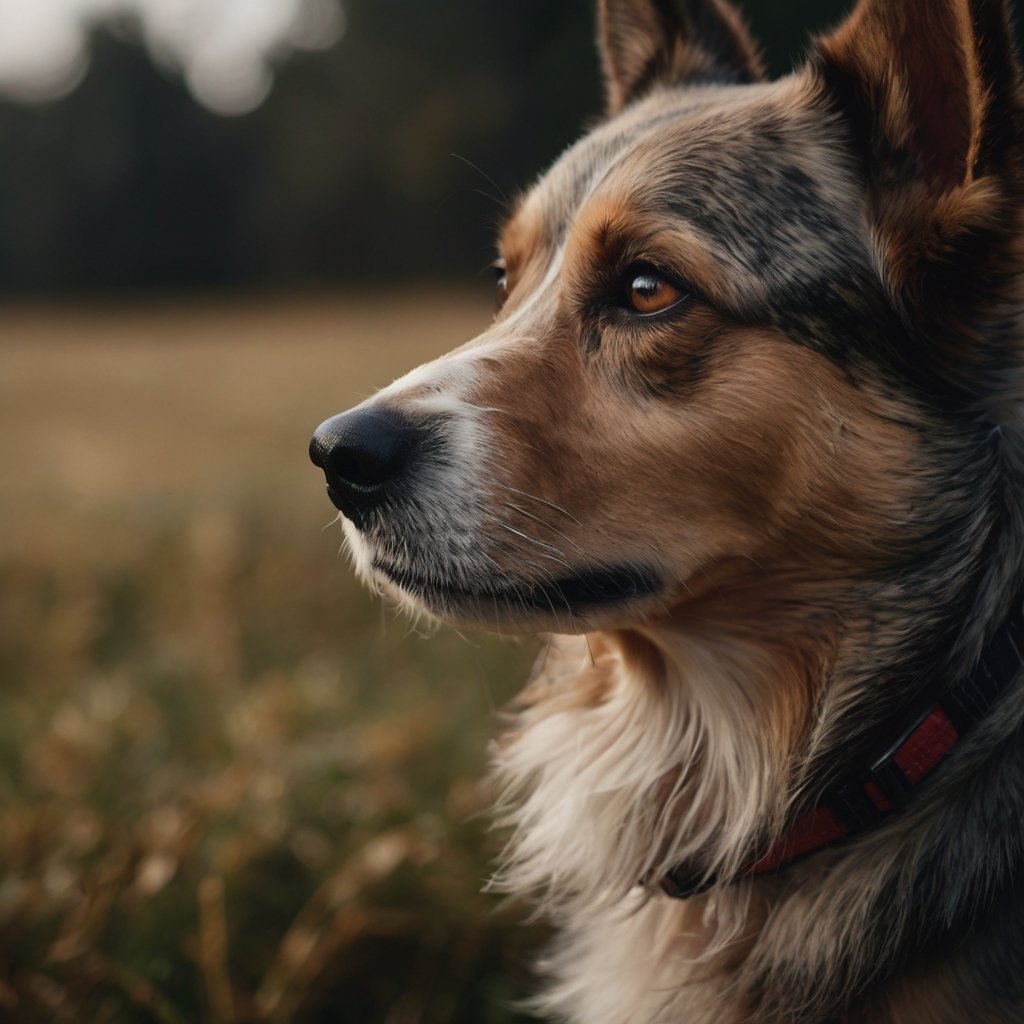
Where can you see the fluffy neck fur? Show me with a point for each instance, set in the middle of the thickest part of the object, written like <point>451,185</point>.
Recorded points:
<point>697,739</point>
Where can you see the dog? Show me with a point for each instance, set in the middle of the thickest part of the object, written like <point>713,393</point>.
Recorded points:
<point>745,440</point>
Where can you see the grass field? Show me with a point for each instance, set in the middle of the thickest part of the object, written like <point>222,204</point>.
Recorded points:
<point>232,786</point>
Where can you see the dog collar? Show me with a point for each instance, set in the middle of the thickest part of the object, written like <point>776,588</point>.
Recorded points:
<point>893,779</point>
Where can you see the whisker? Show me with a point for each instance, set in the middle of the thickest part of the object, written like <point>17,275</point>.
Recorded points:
<point>543,501</point>
<point>558,556</point>
<point>327,526</point>
<point>469,163</point>
<point>497,200</point>
<point>547,526</point>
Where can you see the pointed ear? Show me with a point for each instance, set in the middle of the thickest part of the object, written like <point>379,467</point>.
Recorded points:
<point>932,87</point>
<point>930,92</point>
<point>650,42</point>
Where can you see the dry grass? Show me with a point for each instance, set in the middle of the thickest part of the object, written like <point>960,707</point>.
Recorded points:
<point>232,788</point>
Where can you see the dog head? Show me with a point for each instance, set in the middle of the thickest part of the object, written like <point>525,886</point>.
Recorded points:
<point>742,326</point>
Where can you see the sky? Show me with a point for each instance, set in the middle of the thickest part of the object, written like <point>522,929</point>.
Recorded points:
<point>225,49</point>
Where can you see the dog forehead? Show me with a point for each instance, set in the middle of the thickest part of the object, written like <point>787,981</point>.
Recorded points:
<point>726,158</point>
<point>543,215</point>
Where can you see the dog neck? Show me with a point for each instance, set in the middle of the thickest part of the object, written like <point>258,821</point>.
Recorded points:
<point>908,756</point>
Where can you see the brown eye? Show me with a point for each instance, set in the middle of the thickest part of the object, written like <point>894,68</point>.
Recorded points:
<point>650,293</point>
<point>501,278</point>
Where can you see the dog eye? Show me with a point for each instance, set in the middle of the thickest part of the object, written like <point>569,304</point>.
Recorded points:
<point>650,293</point>
<point>500,272</point>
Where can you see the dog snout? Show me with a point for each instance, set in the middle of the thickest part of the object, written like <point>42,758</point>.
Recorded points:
<point>363,453</point>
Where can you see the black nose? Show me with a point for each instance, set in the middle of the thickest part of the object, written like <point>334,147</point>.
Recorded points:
<point>362,454</point>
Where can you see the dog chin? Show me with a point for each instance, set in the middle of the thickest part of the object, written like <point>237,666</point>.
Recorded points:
<point>581,600</point>
<point>584,600</point>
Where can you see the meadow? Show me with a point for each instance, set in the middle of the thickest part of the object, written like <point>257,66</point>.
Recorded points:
<point>233,786</point>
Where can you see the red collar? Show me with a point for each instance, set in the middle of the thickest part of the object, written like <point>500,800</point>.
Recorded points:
<point>894,779</point>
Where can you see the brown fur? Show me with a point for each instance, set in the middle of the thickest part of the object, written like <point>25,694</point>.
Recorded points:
<point>759,523</point>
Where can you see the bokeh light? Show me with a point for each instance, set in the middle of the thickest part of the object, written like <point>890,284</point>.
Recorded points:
<point>226,49</point>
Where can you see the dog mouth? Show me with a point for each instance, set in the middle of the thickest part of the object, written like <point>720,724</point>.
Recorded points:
<point>582,590</point>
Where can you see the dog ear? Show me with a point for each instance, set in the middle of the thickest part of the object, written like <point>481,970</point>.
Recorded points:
<point>647,42</point>
<point>932,85</point>
<point>931,93</point>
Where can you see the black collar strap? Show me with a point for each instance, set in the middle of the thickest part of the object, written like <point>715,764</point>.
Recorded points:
<point>894,778</point>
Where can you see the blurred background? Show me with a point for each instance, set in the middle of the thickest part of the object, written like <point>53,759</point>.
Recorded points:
<point>233,787</point>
